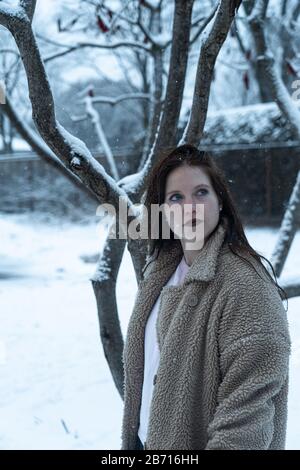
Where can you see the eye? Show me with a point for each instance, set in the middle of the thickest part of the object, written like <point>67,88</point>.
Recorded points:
<point>171,197</point>
<point>204,191</point>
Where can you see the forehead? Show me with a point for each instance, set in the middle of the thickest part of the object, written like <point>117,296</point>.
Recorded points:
<point>186,176</point>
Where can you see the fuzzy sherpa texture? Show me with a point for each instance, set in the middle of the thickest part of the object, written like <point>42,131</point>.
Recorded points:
<point>224,341</point>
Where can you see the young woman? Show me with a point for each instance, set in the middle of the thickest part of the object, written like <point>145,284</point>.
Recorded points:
<point>206,357</point>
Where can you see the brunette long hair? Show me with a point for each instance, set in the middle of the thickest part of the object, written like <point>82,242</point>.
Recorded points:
<point>175,157</point>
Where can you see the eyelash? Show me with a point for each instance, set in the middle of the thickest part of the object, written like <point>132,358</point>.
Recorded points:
<point>205,190</point>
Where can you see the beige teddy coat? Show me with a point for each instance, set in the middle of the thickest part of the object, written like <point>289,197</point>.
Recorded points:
<point>223,335</point>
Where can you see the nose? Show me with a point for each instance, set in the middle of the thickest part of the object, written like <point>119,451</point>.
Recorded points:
<point>190,206</point>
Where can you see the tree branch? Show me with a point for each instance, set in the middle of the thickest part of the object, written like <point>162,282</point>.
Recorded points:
<point>40,147</point>
<point>288,107</point>
<point>289,225</point>
<point>154,40</point>
<point>166,136</point>
<point>70,150</point>
<point>29,7</point>
<point>151,5</point>
<point>104,283</point>
<point>97,45</point>
<point>156,88</point>
<point>96,121</point>
<point>208,55</point>
<point>120,98</point>
<point>291,287</point>
<point>203,25</point>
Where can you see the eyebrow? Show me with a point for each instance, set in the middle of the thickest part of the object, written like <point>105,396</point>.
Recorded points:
<point>198,185</point>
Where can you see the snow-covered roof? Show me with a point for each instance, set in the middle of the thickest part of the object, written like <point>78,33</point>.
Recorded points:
<point>247,124</point>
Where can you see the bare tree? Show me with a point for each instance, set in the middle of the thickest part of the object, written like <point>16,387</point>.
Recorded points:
<point>40,147</point>
<point>282,38</point>
<point>89,101</point>
<point>75,156</point>
<point>289,109</point>
<point>10,64</point>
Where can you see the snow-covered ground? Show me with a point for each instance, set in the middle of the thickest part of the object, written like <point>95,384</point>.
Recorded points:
<point>56,390</point>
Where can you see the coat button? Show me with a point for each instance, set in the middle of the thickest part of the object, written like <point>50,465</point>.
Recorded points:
<point>193,300</point>
<point>154,379</point>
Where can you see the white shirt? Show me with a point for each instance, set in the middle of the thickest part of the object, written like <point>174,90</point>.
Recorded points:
<point>151,352</point>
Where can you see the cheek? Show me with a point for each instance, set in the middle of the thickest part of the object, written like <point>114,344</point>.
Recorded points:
<point>211,214</point>
<point>211,204</point>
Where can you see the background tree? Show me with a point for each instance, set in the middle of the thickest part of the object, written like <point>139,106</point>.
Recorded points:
<point>271,69</point>
<point>137,28</point>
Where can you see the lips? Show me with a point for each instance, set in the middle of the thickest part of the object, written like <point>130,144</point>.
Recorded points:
<point>193,222</point>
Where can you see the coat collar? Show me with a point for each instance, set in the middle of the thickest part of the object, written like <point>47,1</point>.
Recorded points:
<point>204,265</point>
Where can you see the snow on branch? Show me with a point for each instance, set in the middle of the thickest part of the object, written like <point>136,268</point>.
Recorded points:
<point>120,98</point>
<point>271,68</point>
<point>166,128</point>
<point>202,27</point>
<point>39,146</point>
<point>289,225</point>
<point>11,15</point>
<point>29,7</point>
<point>94,116</point>
<point>71,151</point>
<point>289,109</point>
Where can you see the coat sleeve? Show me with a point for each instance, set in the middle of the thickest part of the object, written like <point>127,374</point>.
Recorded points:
<point>254,349</point>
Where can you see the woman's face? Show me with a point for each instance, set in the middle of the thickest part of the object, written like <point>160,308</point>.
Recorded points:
<point>190,194</point>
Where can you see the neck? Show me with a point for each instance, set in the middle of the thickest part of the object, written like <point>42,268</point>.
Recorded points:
<point>189,255</point>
